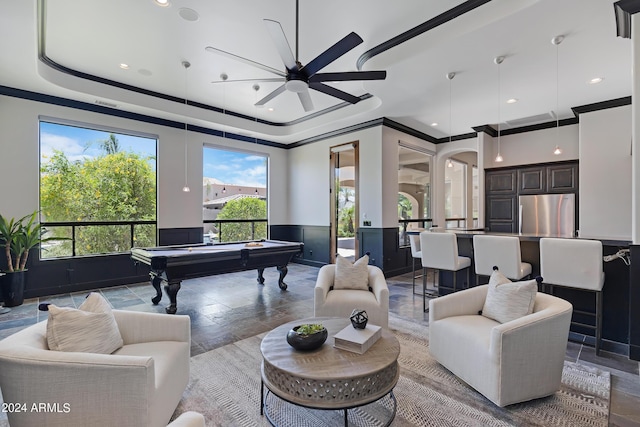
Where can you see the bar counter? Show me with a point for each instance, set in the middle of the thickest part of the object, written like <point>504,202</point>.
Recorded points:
<point>617,295</point>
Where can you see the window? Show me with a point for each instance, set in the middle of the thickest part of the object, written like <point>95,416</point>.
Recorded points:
<point>97,188</point>
<point>234,195</point>
<point>455,193</point>
<point>414,190</point>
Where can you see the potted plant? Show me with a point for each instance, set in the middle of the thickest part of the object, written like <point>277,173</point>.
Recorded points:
<point>308,336</point>
<point>18,237</point>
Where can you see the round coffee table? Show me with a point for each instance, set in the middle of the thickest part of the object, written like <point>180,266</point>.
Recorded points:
<point>328,378</point>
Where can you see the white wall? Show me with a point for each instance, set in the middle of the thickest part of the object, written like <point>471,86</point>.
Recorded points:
<point>605,173</point>
<point>309,172</point>
<point>635,125</point>
<point>19,162</point>
<point>534,147</point>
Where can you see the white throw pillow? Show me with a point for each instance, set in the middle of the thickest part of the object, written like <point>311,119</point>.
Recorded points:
<point>351,276</point>
<point>507,300</point>
<point>91,328</point>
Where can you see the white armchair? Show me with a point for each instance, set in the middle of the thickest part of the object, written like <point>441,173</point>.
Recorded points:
<point>188,419</point>
<point>341,302</point>
<point>507,362</point>
<point>139,385</point>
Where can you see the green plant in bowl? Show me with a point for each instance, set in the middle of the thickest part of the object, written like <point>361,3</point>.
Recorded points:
<point>309,328</point>
<point>308,336</point>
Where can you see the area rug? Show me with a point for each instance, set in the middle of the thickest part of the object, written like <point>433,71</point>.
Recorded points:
<point>225,388</point>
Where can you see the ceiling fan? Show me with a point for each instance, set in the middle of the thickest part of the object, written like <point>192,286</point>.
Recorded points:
<point>300,78</point>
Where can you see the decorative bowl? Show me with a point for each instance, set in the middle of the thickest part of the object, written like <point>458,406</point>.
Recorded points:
<point>306,342</point>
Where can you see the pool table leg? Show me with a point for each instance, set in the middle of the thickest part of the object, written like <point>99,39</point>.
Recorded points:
<point>283,272</point>
<point>155,282</point>
<point>260,276</point>
<point>172,291</point>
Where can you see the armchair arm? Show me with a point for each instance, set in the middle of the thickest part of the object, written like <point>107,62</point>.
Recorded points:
<point>378,285</point>
<point>88,385</point>
<point>139,327</point>
<point>546,328</point>
<point>323,283</point>
<point>468,301</point>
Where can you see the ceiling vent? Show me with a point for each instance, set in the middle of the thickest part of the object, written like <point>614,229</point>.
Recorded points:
<point>106,104</point>
<point>531,120</point>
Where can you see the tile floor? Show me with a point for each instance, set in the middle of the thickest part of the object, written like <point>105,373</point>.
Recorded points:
<point>229,307</point>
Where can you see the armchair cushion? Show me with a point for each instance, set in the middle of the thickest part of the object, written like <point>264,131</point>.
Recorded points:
<point>351,276</point>
<point>508,300</point>
<point>91,328</point>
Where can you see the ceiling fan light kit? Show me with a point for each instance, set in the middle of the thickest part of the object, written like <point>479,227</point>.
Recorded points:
<point>299,78</point>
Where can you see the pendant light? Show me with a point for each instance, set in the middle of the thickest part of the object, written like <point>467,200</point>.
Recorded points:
<point>186,66</point>
<point>224,77</point>
<point>498,60</point>
<point>256,88</point>
<point>450,77</point>
<point>556,42</point>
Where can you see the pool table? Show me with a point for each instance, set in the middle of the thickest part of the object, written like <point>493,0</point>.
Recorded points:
<point>173,264</point>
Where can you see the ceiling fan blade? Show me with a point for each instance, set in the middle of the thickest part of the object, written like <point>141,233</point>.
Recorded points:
<point>348,75</point>
<point>245,60</point>
<point>306,101</point>
<point>271,96</point>
<point>249,80</point>
<point>277,35</point>
<point>343,46</point>
<point>320,87</point>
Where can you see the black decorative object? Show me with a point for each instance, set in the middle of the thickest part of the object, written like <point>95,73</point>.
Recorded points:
<point>359,319</point>
<point>307,341</point>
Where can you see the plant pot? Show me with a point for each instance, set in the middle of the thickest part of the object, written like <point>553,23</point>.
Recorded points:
<point>12,286</point>
<point>306,342</point>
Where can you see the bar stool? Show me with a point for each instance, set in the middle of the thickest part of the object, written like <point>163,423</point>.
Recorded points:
<point>440,252</point>
<point>575,263</point>
<point>416,253</point>
<point>499,250</point>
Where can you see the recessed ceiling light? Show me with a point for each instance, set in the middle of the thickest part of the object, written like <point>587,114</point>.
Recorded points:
<point>270,109</point>
<point>512,100</point>
<point>163,3</point>
<point>434,124</point>
<point>124,66</point>
<point>595,80</point>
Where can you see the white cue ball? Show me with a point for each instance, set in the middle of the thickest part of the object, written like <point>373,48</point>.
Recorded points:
<point>190,249</point>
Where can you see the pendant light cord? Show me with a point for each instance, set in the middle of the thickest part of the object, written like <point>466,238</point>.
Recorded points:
<point>556,41</point>
<point>186,66</point>
<point>498,60</point>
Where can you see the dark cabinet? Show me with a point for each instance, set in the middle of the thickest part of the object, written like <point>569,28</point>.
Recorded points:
<point>562,178</point>
<point>501,213</point>
<point>531,180</point>
<point>501,182</point>
<point>503,186</point>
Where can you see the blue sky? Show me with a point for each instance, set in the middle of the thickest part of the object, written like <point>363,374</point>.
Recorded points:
<point>229,167</point>
<point>81,143</point>
<point>232,167</point>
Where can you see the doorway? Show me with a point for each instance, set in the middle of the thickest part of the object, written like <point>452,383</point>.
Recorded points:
<point>344,201</point>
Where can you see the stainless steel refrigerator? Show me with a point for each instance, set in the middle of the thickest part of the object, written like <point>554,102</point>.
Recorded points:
<point>548,214</point>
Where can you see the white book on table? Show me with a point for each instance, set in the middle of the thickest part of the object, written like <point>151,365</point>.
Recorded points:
<point>357,340</point>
